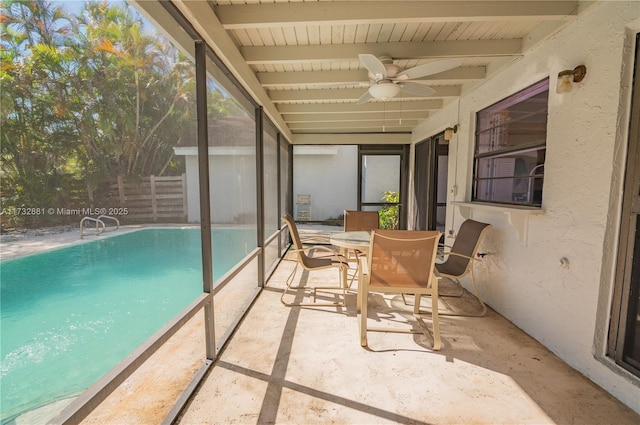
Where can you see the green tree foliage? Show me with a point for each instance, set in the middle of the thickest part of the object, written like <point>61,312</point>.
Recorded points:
<point>389,215</point>
<point>86,98</point>
<point>34,78</point>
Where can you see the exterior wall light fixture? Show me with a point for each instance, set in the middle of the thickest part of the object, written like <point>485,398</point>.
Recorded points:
<point>450,131</point>
<point>568,77</point>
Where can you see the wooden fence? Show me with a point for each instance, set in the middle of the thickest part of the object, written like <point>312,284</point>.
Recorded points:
<point>150,199</point>
<point>145,200</point>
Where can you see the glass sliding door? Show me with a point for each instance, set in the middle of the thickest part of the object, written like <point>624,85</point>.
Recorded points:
<point>381,183</point>
<point>430,184</point>
<point>624,332</point>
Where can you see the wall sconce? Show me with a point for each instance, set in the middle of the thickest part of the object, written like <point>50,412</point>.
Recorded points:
<point>568,77</point>
<point>450,131</point>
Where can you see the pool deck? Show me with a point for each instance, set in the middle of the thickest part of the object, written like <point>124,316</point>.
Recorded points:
<point>18,244</point>
<point>305,365</point>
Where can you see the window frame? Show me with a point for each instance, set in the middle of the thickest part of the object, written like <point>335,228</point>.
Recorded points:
<point>624,304</point>
<point>536,147</point>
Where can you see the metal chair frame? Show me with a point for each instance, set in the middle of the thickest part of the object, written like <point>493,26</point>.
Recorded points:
<point>314,263</point>
<point>401,282</point>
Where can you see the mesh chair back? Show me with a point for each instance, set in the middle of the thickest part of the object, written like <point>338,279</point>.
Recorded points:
<point>293,229</point>
<point>297,244</point>
<point>402,258</point>
<point>466,243</point>
<point>361,220</point>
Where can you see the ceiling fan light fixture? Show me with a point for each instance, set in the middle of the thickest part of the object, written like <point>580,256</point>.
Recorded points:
<point>384,90</point>
<point>387,79</point>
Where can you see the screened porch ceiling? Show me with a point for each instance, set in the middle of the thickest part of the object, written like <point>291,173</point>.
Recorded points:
<point>299,58</point>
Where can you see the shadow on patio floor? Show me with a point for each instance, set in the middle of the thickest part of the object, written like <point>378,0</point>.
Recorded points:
<point>305,365</point>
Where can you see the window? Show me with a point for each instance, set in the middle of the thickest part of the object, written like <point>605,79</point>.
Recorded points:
<point>511,139</point>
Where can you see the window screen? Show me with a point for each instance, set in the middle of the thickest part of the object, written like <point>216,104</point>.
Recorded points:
<point>511,138</point>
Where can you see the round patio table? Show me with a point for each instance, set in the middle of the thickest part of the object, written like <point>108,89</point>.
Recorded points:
<point>357,241</point>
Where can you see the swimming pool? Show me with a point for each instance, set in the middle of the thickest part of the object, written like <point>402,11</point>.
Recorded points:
<point>70,315</point>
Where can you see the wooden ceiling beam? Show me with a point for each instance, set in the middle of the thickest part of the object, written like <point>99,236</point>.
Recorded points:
<point>363,138</point>
<point>270,15</point>
<point>357,76</point>
<point>388,125</point>
<point>357,117</point>
<point>254,55</point>
<point>346,108</point>
<point>280,96</point>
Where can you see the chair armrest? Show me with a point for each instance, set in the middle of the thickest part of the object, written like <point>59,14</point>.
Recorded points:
<point>315,247</point>
<point>461,255</point>
<point>441,251</point>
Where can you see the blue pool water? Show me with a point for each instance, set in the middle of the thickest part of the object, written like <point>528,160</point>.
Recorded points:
<point>69,315</point>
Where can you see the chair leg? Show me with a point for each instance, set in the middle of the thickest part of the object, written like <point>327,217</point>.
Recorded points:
<point>289,280</point>
<point>435,315</point>
<point>342,286</point>
<point>477,294</point>
<point>458,294</point>
<point>437,344</point>
<point>359,301</point>
<point>363,301</point>
<point>344,274</point>
<point>454,295</point>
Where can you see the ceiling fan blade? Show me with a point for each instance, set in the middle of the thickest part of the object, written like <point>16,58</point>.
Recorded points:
<point>428,69</point>
<point>373,65</point>
<point>417,89</point>
<point>364,98</point>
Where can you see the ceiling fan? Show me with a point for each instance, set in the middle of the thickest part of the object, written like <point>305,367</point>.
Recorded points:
<point>386,79</point>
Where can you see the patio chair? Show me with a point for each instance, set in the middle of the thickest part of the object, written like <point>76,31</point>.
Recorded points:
<point>355,221</point>
<point>312,263</point>
<point>361,220</point>
<point>400,261</point>
<point>459,262</point>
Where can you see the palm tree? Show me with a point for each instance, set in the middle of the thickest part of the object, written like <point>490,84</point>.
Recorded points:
<point>145,87</point>
<point>33,79</point>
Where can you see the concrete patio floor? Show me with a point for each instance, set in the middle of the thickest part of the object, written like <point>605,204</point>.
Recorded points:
<point>303,365</point>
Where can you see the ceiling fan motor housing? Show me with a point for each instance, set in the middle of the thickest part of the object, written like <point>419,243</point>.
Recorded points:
<point>392,71</point>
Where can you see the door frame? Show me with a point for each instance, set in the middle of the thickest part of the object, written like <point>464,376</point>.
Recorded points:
<point>426,203</point>
<point>403,152</point>
<point>625,264</point>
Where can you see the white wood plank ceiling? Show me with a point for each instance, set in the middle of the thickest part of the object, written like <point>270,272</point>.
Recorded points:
<point>300,57</point>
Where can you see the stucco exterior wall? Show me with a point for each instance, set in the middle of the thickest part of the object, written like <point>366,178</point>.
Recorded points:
<point>330,175</point>
<point>229,176</point>
<point>522,278</point>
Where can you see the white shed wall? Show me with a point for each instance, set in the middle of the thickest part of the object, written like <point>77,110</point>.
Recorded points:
<point>330,175</point>
<point>522,277</point>
<point>229,200</point>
